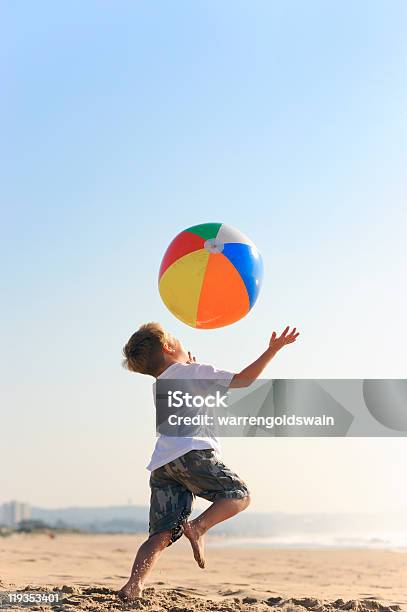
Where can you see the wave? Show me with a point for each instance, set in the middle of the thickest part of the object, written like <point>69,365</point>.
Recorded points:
<point>306,540</point>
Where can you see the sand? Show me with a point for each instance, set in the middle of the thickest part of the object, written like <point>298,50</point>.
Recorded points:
<point>91,568</point>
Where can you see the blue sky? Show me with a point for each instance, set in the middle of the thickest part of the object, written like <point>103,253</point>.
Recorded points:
<point>122,124</point>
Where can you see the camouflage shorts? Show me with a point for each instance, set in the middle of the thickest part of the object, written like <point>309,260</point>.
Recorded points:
<point>174,486</point>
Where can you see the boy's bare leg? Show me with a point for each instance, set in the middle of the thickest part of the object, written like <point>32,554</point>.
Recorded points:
<point>219,511</point>
<point>146,558</point>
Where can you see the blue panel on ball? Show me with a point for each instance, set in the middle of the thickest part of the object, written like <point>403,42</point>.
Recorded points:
<point>248,262</point>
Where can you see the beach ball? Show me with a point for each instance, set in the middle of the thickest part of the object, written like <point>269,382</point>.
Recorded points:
<point>210,275</point>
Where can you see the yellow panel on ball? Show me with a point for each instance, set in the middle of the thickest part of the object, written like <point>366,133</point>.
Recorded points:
<point>180,285</point>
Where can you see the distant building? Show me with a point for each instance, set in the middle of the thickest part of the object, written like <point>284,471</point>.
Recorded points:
<point>11,513</point>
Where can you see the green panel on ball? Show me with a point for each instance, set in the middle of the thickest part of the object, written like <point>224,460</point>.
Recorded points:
<point>205,230</point>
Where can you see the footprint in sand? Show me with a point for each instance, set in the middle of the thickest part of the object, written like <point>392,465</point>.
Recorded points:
<point>230,592</point>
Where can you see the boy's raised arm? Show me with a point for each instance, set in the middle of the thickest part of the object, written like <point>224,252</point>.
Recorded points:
<point>253,371</point>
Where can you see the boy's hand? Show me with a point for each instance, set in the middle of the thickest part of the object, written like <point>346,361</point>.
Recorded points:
<point>253,371</point>
<point>191,358</point>
<point>287,337</point>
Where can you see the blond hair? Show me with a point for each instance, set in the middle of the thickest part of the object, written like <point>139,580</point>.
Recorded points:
<point>143,351</point>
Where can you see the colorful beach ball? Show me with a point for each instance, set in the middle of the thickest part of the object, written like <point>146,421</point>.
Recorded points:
<point>210,275</point>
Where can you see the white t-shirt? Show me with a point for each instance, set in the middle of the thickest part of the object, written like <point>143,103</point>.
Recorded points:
<point>168,448</point>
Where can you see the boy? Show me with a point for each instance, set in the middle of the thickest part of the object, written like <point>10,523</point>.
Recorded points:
<point>182,467</point>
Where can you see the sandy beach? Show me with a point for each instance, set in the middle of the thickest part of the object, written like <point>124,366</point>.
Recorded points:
<point>90,568</point>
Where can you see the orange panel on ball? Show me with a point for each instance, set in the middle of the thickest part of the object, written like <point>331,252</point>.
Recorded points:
<point>224,298</point>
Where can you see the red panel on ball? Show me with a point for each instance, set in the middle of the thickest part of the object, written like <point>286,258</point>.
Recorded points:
<point>182,244</point>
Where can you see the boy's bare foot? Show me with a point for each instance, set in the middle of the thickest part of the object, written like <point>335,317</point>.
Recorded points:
<point>194,535</point>
<point>130,592</point>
